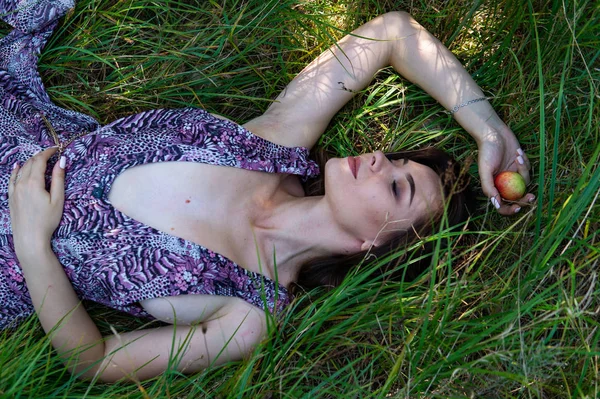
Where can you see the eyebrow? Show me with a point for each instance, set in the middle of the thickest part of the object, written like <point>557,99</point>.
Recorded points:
<point>411,182</point>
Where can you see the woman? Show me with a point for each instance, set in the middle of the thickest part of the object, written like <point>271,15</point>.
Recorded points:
<point>130,222</point>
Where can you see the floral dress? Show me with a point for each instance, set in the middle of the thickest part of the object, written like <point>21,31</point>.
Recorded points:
<point>109,257</point>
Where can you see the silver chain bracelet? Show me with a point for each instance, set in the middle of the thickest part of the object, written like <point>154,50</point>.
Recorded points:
<point>457,107</point>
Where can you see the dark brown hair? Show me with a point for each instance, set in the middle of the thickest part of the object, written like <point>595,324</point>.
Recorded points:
<point>331,270</point>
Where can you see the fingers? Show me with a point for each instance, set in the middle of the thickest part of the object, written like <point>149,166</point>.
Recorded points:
<point>35,166</point>
<point>523,165</point>
<point>57,186</point>
<point>13,179</point>
<point>525,159</point>
<point>489,189</point>
<point>508,209</point>
<point>487,182</point>
<point>527,200</point>
<point>46,154</point>
<point>504,208</point>
<point>39,162</point>
<point>514,207</point>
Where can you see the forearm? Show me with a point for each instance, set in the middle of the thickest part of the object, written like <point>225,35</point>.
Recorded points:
<point>305,108</point>
<point>421,58</point>
<point>75,337</point>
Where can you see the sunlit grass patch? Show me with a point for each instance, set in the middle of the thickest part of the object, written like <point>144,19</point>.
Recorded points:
<point>510,309</point>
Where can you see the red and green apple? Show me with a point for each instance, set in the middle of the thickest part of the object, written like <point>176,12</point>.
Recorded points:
<point>511,185</point>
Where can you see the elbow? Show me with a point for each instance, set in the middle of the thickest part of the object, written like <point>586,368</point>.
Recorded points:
<point>86,363</point>
<point>400,24</point>
<point>398,18</point>
<point>398,29</point>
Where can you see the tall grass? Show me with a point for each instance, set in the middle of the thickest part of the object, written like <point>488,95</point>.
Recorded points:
<point>509,310</point>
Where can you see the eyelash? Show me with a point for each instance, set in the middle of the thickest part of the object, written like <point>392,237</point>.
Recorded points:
<point>395,188</point>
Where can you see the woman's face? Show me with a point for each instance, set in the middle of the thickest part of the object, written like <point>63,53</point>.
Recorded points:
<point>371,196</point>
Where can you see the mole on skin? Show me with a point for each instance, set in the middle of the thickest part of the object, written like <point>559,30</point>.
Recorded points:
<point>187,201</point>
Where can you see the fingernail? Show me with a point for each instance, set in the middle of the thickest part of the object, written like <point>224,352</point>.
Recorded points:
<point>517,210</point>
<point>495,203</point>
<point>35,153</point>
<point>63,162</point>
<point>520,151</point>
<point>531,199</point>
<point>15,165</point>
<point>520,160</point>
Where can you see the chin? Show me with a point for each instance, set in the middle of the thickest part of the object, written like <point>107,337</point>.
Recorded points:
<point>331,170</point>
<point>336,170</point>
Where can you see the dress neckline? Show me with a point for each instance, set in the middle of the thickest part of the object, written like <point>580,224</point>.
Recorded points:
<point>190,244</point>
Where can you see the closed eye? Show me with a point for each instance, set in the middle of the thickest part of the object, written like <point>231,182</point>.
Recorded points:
<point>395,188</point>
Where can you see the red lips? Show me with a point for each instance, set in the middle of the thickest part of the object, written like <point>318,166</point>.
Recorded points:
<point>354,164</point>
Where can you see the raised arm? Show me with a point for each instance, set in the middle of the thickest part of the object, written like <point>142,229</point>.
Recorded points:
<point>303,110</point>
<point>137,355</point>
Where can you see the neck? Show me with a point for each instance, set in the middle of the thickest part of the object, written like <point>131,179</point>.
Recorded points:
<point>300,229</point>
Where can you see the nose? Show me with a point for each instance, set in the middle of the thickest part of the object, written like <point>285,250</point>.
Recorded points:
<point>377,161</point>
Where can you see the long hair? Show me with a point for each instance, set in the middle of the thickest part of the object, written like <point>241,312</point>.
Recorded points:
<point>330,271</point>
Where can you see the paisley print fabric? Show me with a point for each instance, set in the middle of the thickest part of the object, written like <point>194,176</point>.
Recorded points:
<point>109,257</point>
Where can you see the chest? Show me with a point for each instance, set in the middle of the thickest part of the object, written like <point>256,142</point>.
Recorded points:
<point>165,192</point>
<point>213,206</point>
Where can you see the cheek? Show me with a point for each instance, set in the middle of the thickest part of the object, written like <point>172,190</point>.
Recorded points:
<point>375,216</point>
<point>369,200</point>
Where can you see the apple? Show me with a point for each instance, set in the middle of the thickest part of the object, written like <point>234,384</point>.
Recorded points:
<point>511,185</point>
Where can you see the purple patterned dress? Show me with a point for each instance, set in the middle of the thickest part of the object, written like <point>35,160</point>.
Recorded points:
<point>109,257</point>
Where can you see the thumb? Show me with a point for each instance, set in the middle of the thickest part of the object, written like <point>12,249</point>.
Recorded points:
<point>57,186</point>
<point>487,182</point>
<point>488,187</point>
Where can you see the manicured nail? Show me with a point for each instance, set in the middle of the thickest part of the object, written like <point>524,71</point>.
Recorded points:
<point>520,160</point>
<point>517,210</point>
<point>15,165</point>
<point>35,153</point>
<point>520,151</point>
<point>531,199</point>
<point>495,202</point>
<point>63,162</point>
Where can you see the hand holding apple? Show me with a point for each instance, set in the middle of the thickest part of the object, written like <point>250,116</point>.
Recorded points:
<point>510,185</point>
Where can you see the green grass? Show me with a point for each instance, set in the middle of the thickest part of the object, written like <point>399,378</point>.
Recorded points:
<point>510,310</point>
